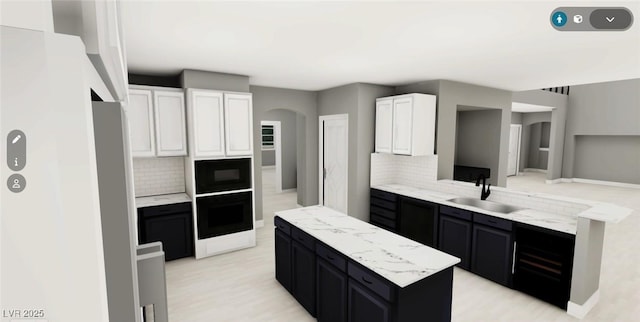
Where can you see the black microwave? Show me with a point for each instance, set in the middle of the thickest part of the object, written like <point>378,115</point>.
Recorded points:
<point>222,175</point>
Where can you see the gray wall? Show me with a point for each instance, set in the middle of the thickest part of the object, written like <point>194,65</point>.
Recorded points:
<point>478,140</point>
<point>516,118</point>
<point>358,101</point>
<point>214,81</point>
<point>304,104</point>
<point>289,145</point>
<point>559,102</point>
<point>268,158</point>
<point>608,157</point>
<point>602,109</point>
<point>538,134</point>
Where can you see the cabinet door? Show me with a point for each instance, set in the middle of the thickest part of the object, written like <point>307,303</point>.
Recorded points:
<point>364,306</point>
<point>332,293</point>
<point>418,220</point>
<point>304,276</point>
<point>206,125</point>
<point>384,125</point>
<point>238,120</point>
<point>283,259</point>
<point>491,255</point>
<point>402,125</point>
<point>174,231</point>
<point>171,131</point>
<point>141,127</point>
<point>455,239</point>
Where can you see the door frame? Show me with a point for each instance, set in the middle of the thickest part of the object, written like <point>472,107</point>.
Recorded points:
<point>519,127</point>
<point>321,119</point>
<point>277,143</point>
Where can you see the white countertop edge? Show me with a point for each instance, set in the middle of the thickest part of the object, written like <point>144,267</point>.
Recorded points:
<point>159,200</point>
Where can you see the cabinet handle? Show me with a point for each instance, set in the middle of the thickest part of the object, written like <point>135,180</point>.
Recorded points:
<point>365,280</point>
<point>513,261</point>
<point>493,221</point>
<point>330,257</point>
<point>301,239</point>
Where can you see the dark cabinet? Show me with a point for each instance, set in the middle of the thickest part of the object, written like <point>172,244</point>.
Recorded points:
<point>455,239</point>
<point>543,264</point>
<point>383,210</point>
<point>331,293</point>
<point>170,224</point>
<point>303,261</point>
<point>492,249</point>
<point>365,306</point>
<point>283,259</point>
<point>418,220</point>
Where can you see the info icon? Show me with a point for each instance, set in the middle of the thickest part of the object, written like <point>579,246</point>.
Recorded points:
<point>559,18</point>
<point>577,19</point>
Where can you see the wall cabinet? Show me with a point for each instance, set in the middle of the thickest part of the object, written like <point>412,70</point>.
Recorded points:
<point>157,122</point>
<point>492,249</point>
<point>170,224</point>
<point>454,234</point>
<point>220,124</point>
<point>405,124</point>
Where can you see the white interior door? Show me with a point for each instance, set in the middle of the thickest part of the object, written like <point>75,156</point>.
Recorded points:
<point>514,149</point>
<point>334,138</point>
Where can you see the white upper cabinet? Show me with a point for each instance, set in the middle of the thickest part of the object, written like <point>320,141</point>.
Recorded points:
<point>206,123</point>
<point>405,124</point>
<point>384,124</point>
<point>170,123</point>
<point>238,123</point>
<point>157,123</point>
<point>141,128</point>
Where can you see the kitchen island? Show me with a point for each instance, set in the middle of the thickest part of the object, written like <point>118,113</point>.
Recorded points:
<point>343,269</point>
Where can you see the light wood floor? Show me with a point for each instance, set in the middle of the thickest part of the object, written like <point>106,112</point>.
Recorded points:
<point>240,286</point>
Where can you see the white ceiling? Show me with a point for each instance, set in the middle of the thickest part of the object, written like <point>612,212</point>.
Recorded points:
<point>318,45</point>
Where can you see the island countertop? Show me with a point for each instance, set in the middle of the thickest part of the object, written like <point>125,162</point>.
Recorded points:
<point>398,259</point>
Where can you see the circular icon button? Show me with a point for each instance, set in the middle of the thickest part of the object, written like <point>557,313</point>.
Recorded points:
<point>16,183</point>
<point>559,18</point>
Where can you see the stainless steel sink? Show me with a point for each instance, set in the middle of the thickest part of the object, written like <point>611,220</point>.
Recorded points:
<point>486,205</point>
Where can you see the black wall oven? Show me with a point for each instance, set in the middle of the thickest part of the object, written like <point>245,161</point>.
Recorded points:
<point>224,214</point>
<point>222,175</point>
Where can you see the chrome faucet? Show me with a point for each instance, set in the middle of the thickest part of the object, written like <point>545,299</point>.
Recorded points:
<point>484,193</point>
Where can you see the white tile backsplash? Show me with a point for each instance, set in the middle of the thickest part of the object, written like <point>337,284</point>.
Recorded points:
<point>416,171</point>
<point>157,176</point>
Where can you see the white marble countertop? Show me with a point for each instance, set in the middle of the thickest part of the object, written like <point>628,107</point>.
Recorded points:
<point>558,222</point>
<point>159,200</point>
<point>398,259</point>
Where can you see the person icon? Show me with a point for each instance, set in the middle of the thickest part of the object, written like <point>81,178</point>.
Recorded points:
<point>559,19</point>
<point>16,184</point>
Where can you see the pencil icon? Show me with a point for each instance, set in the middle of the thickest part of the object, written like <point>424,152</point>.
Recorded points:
<point>16,139</point>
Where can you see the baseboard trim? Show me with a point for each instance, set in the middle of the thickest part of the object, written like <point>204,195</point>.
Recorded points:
<point>289,190</point>
<point>268,166</point>
<point>534,170</point>
<point>259,223</point>
<point>607,183</point>
<point>581,310</point>
<point>553,181</point>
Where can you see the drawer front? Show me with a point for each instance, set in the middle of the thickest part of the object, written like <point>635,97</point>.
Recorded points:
<point>384,195</point>
<point>165,209</point>
<point>282,225</point>
<point>334,258</point>
<point>390,205</point>
<point>491,221</point>
<point>455,212</point>
<point>383,212</point>
<point>380,286</point>
<point>303,238</point>
<point>382,220</point>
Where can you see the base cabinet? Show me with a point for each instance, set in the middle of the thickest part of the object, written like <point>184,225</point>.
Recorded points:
<point>304,276</point>
<point>331,293</point>
<point>283,259</point>
<point>455,239</point>
<point>170,224</point>
<point>418,220</point>
<point>364,306</point>
<point>492,250</point>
